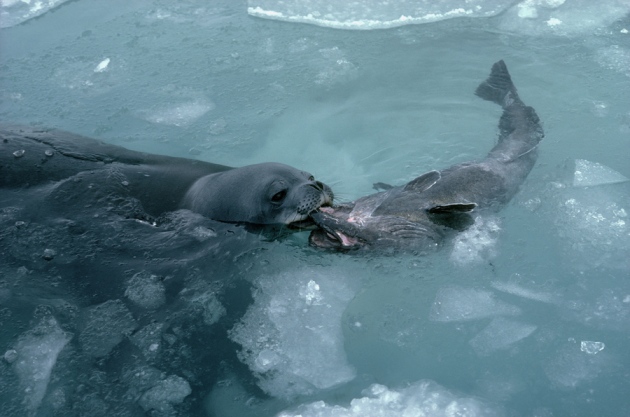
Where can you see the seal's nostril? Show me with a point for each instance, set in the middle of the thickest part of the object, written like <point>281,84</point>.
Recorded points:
<point>318,185</point>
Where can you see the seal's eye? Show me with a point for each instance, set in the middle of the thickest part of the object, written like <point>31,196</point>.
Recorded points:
<point>311,178</point>
<point>279,196</point>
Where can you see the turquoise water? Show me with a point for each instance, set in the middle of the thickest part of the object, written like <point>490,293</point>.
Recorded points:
<point>526,314</point>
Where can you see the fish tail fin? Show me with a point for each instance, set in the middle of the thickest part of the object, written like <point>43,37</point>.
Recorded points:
<point>498,87</point>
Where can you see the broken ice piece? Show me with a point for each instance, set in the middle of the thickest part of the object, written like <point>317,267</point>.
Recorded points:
<point>592,348</point>
<point>588,174</point>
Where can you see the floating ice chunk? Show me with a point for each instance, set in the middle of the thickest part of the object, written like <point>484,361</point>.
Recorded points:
<point>594,224</point>
<point>209,306</point>
<point>423,398</point>
<point>462,304</point>
<point>588,174</point>
<point>162,396</point>
<point>519,291</point>
<point>291,336</point>
<point>105,326</point>
<point>102,66</point>
<point>570,367</point>
<point>500,334</point>
<point>609,310</point>
<point>477,243</point>
<point>146,290</point>
<point>553,22</point>
<point>149,339</point>
<point>592,348</point>
<point>37,351</point>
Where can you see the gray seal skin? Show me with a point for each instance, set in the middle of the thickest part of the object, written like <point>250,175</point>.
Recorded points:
<point>66,167</point>
<point>425,211</point>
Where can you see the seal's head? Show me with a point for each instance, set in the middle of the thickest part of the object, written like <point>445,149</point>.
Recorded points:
<point>264,194</point>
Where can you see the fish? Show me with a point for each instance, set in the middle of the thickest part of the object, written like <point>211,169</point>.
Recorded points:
<point>422,214</point>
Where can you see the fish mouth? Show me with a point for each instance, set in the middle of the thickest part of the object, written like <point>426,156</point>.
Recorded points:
<point>329,234</point>
<point>321,238</point>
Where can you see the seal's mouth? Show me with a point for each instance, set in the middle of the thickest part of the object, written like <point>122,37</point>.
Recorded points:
<point>323,199</point>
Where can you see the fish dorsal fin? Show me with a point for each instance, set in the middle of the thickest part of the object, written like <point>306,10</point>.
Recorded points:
<point>453,208</point>
<point>423,182</point>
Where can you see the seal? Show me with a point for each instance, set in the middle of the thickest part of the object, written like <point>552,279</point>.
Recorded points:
<point>71,169</point>
<point>422,213</point>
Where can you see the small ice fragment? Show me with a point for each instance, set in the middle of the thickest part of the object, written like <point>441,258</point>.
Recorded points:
<point>148,339</point>
<point>19,154</point>
<point>49,254</point>
<point>49,152</point>
<point>164,394</point>
<point>265,360</point>
<point>554,22</point>
<point>624,31</point>
<point>209,306</point>
<point>463,304</point>
<point>202,233</point>
<point>589,173</point>
<point>106,325</point>
<point>500,334</point>
<point>592,348</point>
<point>102,66</point>
<point>10,355</point>
<point>569,368</point>
<point>310,293</point>
<point>146,290</point>
<point>520,291</point>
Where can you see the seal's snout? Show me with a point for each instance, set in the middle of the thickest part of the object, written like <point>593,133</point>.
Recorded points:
<point>318,185</point>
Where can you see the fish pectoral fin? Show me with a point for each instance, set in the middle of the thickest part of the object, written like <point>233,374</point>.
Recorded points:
<point>455,221</point>
<point>453,216</point>
<point>453,208</point>
<point>381,186</point>
<point>423,182</point>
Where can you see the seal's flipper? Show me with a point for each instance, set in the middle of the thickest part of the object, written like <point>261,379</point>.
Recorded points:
<point>423,182</point>
<point>498,87</point>
<point>453,208</point>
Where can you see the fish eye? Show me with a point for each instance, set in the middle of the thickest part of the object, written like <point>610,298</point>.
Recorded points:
<point>279,196</point>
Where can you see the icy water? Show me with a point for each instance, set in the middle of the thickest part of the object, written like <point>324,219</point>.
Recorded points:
<point>525,314</point>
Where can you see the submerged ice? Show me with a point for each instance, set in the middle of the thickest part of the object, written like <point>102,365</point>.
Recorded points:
<point>422,398</point>
<point>463,304</point>
<point>588,174</point>
<point>34,357</point>
<point>291,336</point>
